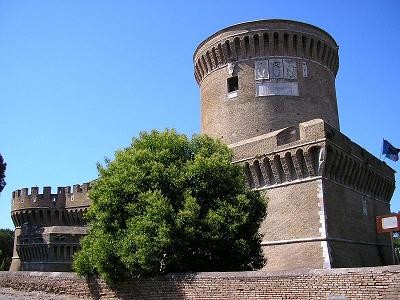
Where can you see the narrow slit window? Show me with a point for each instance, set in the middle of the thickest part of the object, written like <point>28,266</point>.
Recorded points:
<point>233,84</point>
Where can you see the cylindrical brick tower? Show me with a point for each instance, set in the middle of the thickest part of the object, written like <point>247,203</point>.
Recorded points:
<point>268,91</point>
<point>261,76</point>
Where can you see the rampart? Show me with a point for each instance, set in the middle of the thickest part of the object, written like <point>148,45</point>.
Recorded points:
<point>313,149</point>
<point>66,207</point>
<point>362,283</point>
<point>66,197</point>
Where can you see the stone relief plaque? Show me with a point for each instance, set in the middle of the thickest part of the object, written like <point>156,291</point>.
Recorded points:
<point>280,70</point>
<point>289,69</point>
<point>276,68</point>
<point>230,67</point>
<point>261,69</point>
<point>277,89</point>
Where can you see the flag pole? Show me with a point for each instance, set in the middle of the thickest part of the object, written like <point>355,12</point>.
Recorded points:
<point>380,157</point>
<point>392,243</point>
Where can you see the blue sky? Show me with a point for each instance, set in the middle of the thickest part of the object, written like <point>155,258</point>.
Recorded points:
<point>79,79</point>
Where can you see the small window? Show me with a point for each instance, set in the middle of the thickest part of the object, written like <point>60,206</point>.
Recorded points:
<point>233,84</point>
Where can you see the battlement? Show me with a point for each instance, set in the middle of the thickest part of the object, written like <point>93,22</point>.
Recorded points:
<point>265,38</point>
<point>309,150</point>
<point>66,197</point>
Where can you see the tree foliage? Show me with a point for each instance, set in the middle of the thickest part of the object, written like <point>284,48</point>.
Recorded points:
<point>6,248</point>
<point>171,204</point>
<point>2,173</point>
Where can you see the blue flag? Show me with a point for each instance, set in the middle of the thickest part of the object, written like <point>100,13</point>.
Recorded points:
<point>390,151</point>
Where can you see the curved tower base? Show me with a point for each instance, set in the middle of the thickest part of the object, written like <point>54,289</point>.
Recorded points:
<point>48,227</point>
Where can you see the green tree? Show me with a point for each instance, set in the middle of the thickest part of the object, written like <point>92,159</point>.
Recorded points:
<point>6,248</point>
<point>171,204</point>
<point>2,173</point>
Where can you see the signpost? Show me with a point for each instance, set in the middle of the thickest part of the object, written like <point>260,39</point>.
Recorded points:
<point>388,223</point>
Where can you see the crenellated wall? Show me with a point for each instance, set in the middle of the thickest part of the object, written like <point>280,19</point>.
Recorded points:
<point>66,207</point>
<point>66,197</point>
<point>48,226</point>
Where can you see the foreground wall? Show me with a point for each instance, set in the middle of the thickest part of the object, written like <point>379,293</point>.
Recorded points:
<point>362,283</point>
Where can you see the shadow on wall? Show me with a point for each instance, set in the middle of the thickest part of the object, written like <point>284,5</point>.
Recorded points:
<point>143,288</point>
<point>94,287</point>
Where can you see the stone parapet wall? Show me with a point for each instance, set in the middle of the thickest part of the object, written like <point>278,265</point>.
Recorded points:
<point>361,283</point>
<point>66,197</point>
<point>66,207</point>
<point>311,149</point>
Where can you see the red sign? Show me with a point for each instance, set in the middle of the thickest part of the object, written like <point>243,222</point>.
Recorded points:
<point>388,223</point>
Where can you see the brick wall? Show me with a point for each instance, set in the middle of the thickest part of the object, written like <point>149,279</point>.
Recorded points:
<point>361,283</point>
<point>292,214</point>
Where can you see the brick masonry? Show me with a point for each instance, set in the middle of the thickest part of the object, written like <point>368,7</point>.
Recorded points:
<point>267,89</point>
<point>362,283</point>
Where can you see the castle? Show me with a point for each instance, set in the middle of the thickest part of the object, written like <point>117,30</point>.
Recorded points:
<point>268,91</point>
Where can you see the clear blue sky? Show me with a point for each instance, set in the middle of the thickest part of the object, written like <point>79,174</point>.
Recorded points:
<point>79,79</point>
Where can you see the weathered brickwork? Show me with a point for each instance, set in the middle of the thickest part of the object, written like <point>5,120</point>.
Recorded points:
<point>365,283</point>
